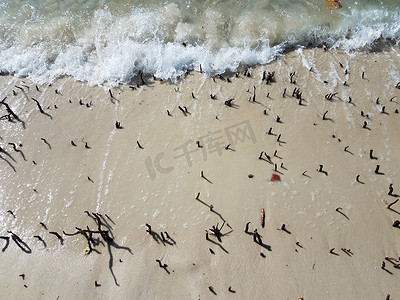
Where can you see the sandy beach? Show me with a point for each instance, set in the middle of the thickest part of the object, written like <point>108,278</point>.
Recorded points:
<point>314,124</point>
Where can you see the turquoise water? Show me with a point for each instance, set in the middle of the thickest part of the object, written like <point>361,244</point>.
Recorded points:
<point>111,41</point>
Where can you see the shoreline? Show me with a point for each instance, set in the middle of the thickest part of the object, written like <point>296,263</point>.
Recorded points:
<point>381,46</point>
<point>157,183</point>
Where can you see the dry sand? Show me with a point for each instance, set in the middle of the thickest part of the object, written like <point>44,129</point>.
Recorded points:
<point>158,184</point>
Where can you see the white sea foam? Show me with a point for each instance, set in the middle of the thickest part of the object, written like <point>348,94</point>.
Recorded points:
<point>112,41</point>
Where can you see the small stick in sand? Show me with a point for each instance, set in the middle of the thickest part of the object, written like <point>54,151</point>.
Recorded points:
<point>227,147</point>
<point>198,195</point>
<point>298,244</point>
<point>257,237</point>
<point>388,297</point>
<point>87,146</point>
<point>14,236</point>
<point>255,233</point>
<point>390,189</point>
<point>291,77</point>
<point>262,217</point>
<point>324,116</point>
<point>198,144</point>
<point>260,157</point>
<point>40,239</point>
<point>246,230</point>
<point>168,113</point>
<point>365,125</point>
<point>284,93</point>
<point>268,157</point>
<point>396,224</point>
<point>212,290</point>
<point>15,147</point>
<point>278,119</point>
<point>211,251</point>
<point>163,237</point>
<point>322,171</point>
<point>231,290</point>
<point>182,110</point>
<point>140,146</point>
<point>229,102</point>
<point>270,131</point>
<point>193,96</point>
<point>58,236</point>
<point>109,218</point>
<point>377,169</point>
<point>38,105</point>
<point>43,225</point>
<point>391,259</point>
<point>202,174</point>
<point>371,156</point>
<point>383,265</point>
<point>207,235</point>
<point>10,212</point>
<point>44,140</point>
<point>363,75</point>
<point>73,144</point>
<point>332,251</point>
<point>118,125</point>
<point>358,178</point>
<point>90,179</point>
<point>279,138</point>
<point>168,237</point>
<point>148,228</point>
<point>393,203</point>
<point>211,207</point>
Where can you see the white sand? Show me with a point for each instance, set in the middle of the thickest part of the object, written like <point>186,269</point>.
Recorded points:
<point>154,185</point>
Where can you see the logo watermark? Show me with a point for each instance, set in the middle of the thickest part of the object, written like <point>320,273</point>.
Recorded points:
<point>212,142</point>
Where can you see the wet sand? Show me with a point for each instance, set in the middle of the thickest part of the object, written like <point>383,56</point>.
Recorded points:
<point>75,159</point>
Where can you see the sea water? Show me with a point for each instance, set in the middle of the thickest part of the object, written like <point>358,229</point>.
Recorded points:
<point>111,41</point>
